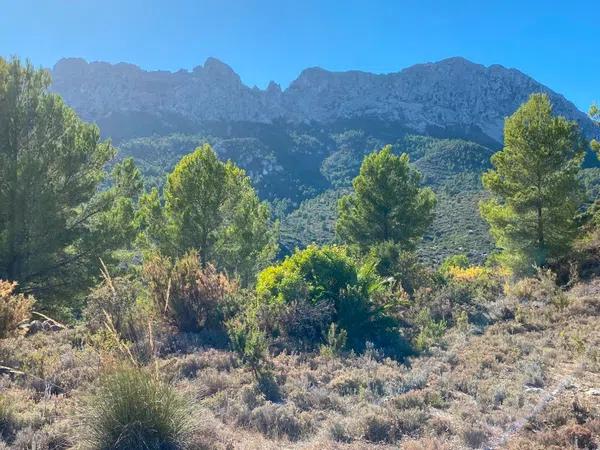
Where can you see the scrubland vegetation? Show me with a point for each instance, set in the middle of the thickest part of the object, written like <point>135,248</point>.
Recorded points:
<point>161,318</point>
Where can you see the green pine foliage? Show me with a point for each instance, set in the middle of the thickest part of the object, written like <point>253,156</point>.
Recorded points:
<point>54,221</point>
<point>595,116</point>
<point>534,186</point>
<point>387,203</point>
<point>210,206</point>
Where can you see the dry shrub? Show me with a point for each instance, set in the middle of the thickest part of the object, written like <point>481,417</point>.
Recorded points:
<point>315,399</point>
<point>349,383</point>
<point>277,421</point>
<point>474,436</point>
<point>117,298</point>
<point>340,431</point>
<point>585,299</point>
<point>578,436</point>
<point>382,426</point>
<point>540,288</point>
<point>48,437</point>
<point>425,444</point>
<point>14,308</point>
<point>54,362</point>
<point>188,366</point>
<point>191,296</point>
<point>417,400</point>
<point>376,427</point>
<point>8,419</point>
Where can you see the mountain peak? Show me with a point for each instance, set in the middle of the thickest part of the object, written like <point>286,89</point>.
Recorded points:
<point>457,61</point>
<point>217,70</point>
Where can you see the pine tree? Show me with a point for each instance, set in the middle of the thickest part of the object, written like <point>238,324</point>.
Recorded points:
<point>594,114</point>
<point>535,193</point>
<point>52,221</point>
<point>210,206</point>
<point>387,205</point>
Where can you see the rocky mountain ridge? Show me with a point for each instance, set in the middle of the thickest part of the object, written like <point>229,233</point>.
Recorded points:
<point>454,97</point>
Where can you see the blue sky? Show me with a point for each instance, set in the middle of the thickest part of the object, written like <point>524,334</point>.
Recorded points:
<point>555,42</point>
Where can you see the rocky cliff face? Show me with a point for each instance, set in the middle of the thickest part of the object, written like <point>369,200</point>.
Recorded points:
<point>453,94</point>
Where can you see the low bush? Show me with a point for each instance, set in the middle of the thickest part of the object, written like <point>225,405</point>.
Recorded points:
<point>380,427</point>
<point>455,261</point>
<point>431,332</point>
<point>391,260</point>
<point>541,288</point>
<point>280,421</point>
<point>335,342</point>
<point>14,308</point>
<point>133,409</point>
<point>251,345</point>
<point>300,324</point>
<point>485,282</point>
<point>7,418</point>
<point>464,294</point>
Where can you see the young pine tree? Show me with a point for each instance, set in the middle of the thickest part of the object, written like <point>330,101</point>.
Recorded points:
<point>387,205</point>
<point>533,184</point>
<point>210,206</point>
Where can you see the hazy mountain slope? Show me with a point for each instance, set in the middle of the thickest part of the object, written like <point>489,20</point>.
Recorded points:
<point>453,97</point>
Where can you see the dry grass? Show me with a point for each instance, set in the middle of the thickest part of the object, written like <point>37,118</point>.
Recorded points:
<point>469,394</point>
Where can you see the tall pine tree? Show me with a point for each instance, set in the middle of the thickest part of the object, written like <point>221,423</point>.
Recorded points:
<point>54,221</point>
<point>535,193</point>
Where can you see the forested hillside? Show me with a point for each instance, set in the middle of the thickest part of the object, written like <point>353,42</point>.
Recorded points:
<point>307,142</point>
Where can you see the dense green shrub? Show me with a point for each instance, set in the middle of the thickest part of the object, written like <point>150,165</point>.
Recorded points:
<point>316,287</point>
<point>133,409</point>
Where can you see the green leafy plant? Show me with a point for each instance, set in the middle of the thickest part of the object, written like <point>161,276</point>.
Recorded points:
<point>431,331</point>
<point>335,341</point>
<point>330,278</point>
